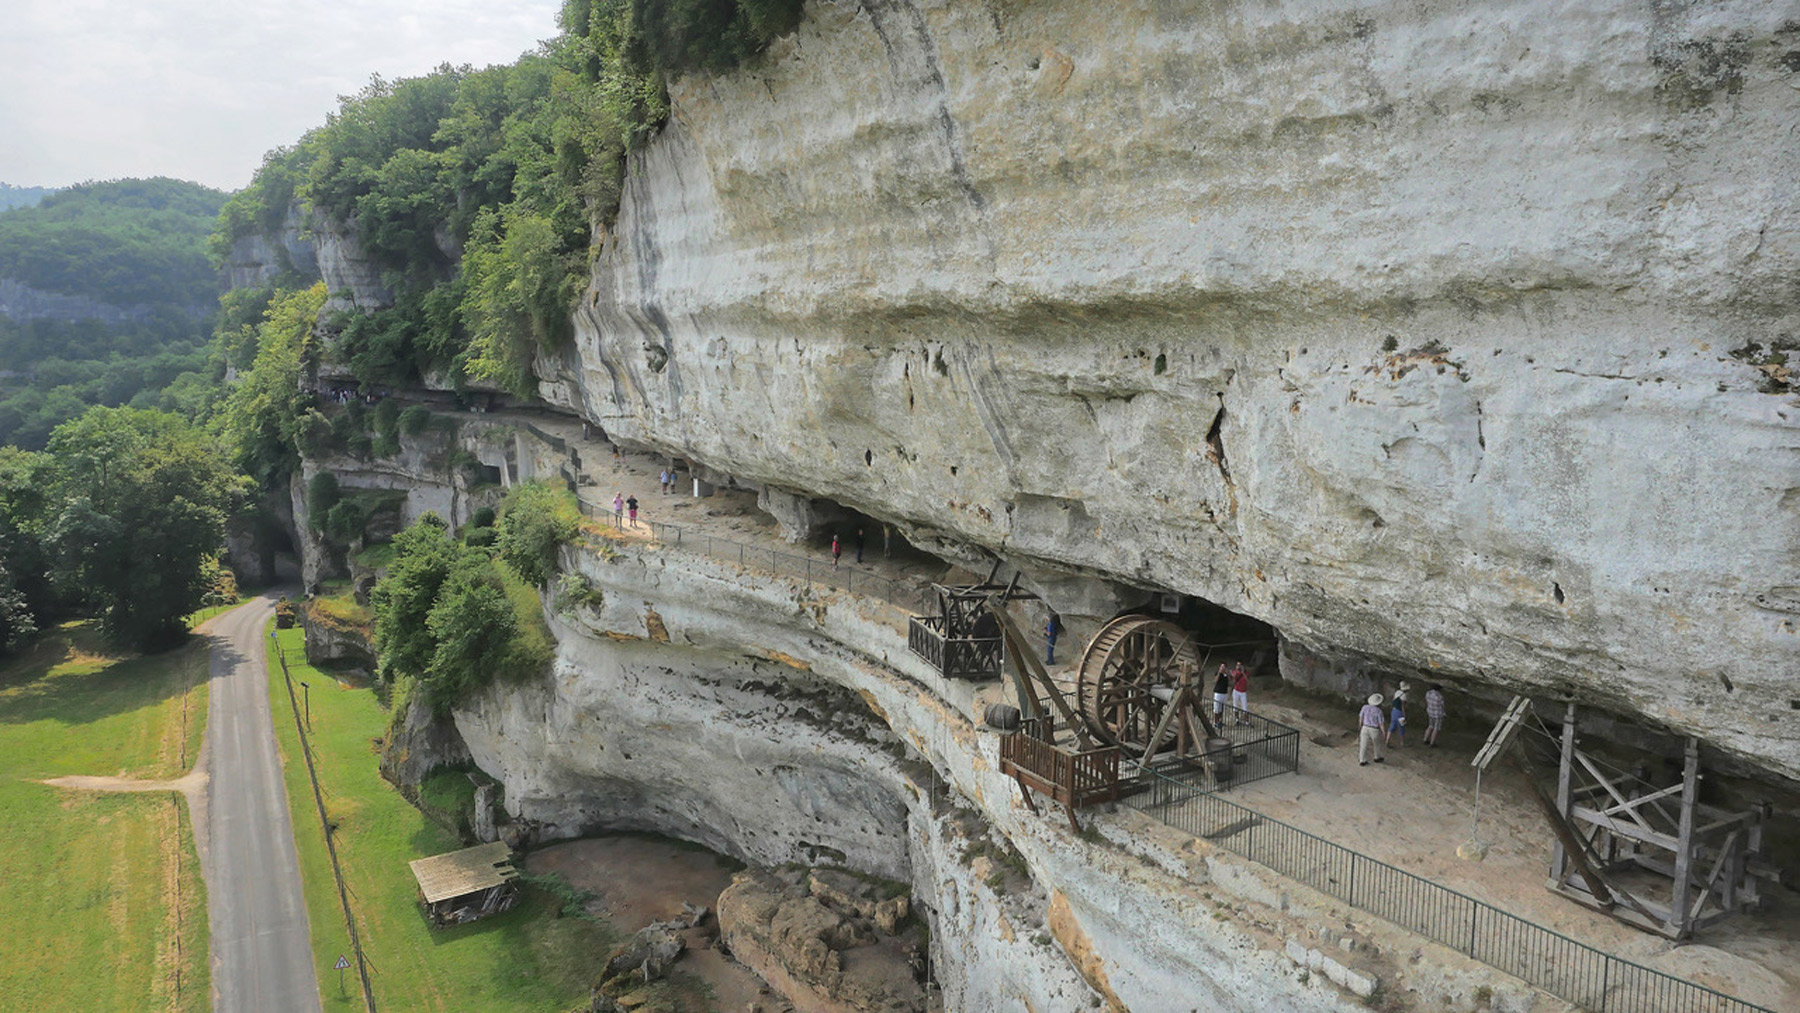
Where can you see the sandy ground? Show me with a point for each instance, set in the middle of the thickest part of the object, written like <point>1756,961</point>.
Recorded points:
<point>1415,809</point>
<point>639,879</point>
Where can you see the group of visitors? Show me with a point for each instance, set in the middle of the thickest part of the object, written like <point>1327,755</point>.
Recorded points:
<point>622,506</point>
<point>1232,686</point>
<point>350,395</point>
<point>665,480</point>
<point>1379,730</point>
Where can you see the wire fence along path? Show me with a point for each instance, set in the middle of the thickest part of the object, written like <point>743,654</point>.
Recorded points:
<point>1592,979</point>
<point>337,872</point>
<point>908,595</point>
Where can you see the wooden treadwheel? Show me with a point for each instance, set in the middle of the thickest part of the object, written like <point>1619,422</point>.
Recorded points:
<point>1132,669</point>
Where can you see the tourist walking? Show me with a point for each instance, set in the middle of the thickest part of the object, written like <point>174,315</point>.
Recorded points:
<point>1052,627</point>
<point>1434,714</point>
<point>619,510</point>
<point>631,506</point>
<point>1240,693</point>
<point>1396,728</point>
<point>1369,745</point>
<point>859,546</point>
<point>1221,693</point>
<point>837,551</point>
<point>662,481</point>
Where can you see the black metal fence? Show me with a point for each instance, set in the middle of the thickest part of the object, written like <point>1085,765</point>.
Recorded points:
<point>908,595</point>
<point>1257,748</point>
<point>1591,979</point>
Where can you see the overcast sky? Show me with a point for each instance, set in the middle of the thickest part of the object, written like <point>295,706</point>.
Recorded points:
<point>199,89</point>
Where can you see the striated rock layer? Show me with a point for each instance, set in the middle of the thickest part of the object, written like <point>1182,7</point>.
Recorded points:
<point>1441,337</point>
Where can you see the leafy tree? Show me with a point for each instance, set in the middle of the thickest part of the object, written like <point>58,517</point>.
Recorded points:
<point>453,617</point>
<point>403,598</point>
<point>475,629</point>
<point>265,412</point>
<point>143,498</point>
<point>536,519</point>
<point>25,509</point>
<point>519,296</point>
<point>322,496</point>
<point>345,521</point>
<point>16,621</point>
<point>414,419</point>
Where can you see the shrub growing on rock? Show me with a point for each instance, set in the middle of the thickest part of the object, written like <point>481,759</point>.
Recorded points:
<point>322,494</point>
<point>536,518</point>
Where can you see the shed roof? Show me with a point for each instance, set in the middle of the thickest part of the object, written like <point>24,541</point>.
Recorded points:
<point>470,870</point>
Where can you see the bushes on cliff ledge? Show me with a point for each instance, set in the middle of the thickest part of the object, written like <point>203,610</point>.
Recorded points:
<point>455,618</point>
<point>536,519</point>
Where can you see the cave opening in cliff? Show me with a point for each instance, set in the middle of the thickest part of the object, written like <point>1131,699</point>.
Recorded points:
<point>1230,633</point>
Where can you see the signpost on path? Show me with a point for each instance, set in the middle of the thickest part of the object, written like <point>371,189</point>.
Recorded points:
<point>342,963</point>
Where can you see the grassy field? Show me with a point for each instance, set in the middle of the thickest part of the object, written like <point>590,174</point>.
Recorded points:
<point>105,905</point>
<point>522,960</point>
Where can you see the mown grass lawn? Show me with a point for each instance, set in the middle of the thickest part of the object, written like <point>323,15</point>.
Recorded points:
<point>105,907</point>
<point>526,959</point>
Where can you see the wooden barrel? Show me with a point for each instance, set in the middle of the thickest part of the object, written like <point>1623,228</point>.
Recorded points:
<point>1003,716</point>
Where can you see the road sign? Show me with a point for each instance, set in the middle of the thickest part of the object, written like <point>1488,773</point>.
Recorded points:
<point>342,963</point>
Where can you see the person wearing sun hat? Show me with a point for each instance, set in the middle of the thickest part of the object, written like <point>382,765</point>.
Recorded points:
<point>1369,745</point>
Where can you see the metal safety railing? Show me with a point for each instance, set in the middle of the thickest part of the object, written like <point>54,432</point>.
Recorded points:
<point>1590,978</point>
<point>908,595</point>
<point>1257,747</point>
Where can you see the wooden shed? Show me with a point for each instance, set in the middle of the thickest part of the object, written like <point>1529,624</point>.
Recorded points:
<point>462,886</point>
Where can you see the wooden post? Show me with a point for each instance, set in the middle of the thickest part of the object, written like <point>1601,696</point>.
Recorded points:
<point>1684,856</point>
<point>1559,859</point>
<point>1032,670</point>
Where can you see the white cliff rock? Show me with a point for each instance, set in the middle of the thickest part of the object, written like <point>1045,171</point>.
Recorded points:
<point>1408,330</point>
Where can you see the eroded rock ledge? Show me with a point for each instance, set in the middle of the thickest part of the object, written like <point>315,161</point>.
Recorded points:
<point>1438,338</point>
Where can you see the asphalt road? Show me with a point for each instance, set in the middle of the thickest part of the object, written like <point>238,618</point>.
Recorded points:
<point>261,951</point>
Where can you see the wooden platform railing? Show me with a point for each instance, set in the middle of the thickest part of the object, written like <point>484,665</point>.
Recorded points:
<point>954,657</point>
<point>1071,778</point>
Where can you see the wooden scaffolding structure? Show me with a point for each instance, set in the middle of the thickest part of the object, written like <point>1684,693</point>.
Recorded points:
<point>1654,857</point>
<point>962,640</point>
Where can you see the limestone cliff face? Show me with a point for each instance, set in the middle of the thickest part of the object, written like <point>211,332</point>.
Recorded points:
<point>1430,335</point>
<point>258,259</point>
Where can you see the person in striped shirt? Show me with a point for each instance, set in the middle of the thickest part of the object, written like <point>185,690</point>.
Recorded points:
<point>1369,746</point>
<point>1434,714</point>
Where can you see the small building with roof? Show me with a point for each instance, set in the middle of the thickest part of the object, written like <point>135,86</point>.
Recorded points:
<point>462,886</point>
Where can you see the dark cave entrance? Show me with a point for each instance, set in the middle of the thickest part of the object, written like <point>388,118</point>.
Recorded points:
<point>1227,637</point>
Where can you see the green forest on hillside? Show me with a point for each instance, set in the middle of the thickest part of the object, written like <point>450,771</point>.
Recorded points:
<point>138,244</point>
<point>12,196</point>
<point>477,192</point>
<point>512,166</point>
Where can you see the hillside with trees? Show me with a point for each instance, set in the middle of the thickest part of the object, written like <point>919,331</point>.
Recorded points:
<point>477,191</point>
<point>109,297</point>
<point>22,196</point>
